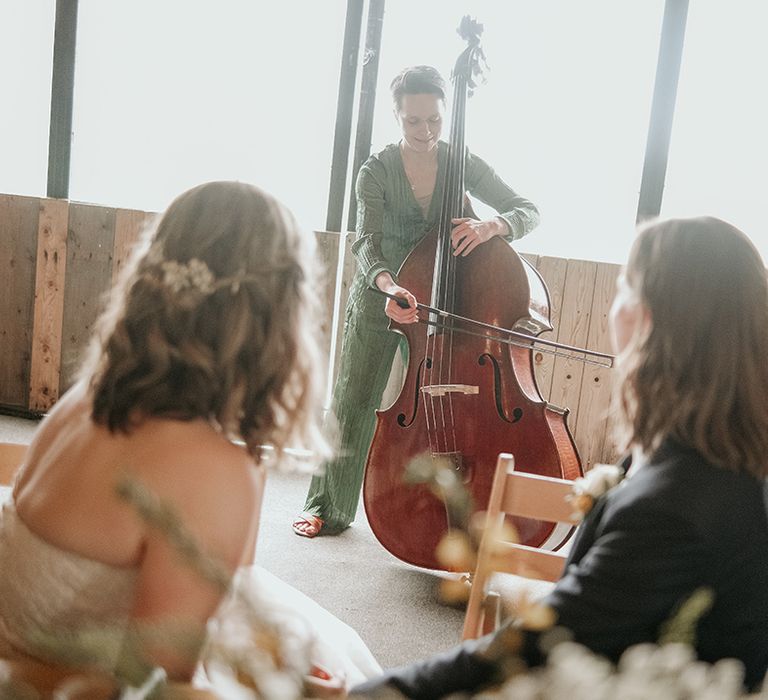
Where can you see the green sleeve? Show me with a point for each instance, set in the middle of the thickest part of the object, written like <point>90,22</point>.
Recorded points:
<point>369,190</point>
<point>520,214</point>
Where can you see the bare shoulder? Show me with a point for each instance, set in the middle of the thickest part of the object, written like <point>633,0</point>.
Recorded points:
<point>213,484</point>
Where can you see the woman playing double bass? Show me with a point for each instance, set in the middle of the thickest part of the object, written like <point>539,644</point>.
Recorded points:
<point>399,192</point>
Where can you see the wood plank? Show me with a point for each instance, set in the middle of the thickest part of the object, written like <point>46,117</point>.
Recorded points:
<point>130,224</point>
<point>90,242</point>
<point>18,255</point>
<point>592,439</point>
<point>49,304</point>
<point>553,272</point>
<point>573,330</point>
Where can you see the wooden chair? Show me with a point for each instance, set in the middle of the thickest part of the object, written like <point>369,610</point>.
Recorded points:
<point>11,456</point>
<point>524,495</point>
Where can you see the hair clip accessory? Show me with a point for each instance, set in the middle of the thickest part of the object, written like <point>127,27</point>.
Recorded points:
<point>194,274</point>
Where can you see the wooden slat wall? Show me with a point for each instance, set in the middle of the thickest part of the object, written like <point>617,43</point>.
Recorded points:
<point>553,272</point>
<point>574,325</point>
<point>90,251</point>
<point>129,226</point>
<point>58,260</point>
<point>593,426</point>
<point>581,293</point>
<point>18,255</point>
<point>50,274</point>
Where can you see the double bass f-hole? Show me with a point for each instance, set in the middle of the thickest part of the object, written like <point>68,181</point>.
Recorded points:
<point>517,412</point>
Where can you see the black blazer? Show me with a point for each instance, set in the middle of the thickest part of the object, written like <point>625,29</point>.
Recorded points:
<point>675,524</point>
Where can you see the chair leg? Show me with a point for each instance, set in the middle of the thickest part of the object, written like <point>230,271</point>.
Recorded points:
<point>490,612</point>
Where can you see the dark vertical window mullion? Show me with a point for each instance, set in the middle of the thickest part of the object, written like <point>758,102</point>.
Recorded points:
<point>62,97</point>
<point>344,109</point>
<point>365,111</point>
<point>662,108</point>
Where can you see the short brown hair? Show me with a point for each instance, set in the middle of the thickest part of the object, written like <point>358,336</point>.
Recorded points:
<point>699,374</point>
<point>244,354</point>
<point>417,80</point>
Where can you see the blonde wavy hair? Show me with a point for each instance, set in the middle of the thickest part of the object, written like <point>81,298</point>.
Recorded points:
<point>698,373</point>
<point>242,351</point>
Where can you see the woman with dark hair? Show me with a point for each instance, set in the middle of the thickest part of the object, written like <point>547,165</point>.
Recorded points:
<point>690,327</point>
<point>399,193</point>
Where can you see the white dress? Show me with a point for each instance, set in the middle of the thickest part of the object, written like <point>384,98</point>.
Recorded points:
<point>49,595</point>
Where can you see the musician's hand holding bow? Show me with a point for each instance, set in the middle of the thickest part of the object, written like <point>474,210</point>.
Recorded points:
<point>410,314</point>
<point>469,233</point>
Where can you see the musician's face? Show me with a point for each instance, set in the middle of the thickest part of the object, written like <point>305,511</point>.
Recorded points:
<point>421,121</point>
<point>628,317</point>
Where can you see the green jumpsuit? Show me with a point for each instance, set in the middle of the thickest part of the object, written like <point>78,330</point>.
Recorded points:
<point>390,222</point>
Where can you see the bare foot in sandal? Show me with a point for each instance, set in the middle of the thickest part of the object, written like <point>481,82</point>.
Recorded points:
<point>307,525</point>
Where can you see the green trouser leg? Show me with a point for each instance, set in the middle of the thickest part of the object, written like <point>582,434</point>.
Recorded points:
<point>368,349</point>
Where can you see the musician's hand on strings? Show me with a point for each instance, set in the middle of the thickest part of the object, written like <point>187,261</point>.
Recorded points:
<point>410,314</point>
<point>468,233</point>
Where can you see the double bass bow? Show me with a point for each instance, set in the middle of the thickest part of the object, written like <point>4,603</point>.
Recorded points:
<point>469,391</point>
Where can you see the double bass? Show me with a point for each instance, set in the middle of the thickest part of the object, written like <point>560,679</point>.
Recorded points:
<point>469,392</point>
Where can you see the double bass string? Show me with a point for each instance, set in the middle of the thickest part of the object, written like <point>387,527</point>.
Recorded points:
<point>445,269</point>
<point>428,407</point>
<point>455,209</point>
<point>430,414</point>
<point>434,365</point>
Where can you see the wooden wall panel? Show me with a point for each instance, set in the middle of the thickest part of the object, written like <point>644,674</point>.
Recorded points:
<point>90,245</point>
<point>49,304</point>
<point>593,437</point>
<point>553,272</point>
<point>18,255</point>
<point>572,330</point>
<point>58,261</point>
<point>129,225</point>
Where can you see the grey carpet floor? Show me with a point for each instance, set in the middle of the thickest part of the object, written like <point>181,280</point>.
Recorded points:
<point>392,605</point>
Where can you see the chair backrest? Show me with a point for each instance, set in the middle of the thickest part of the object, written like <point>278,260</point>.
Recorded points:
<point>11,456</point>
<point>523,495</point>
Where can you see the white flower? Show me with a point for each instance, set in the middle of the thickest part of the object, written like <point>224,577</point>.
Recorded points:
<point>588,488</point>
<point>598,480</point>
<point>192,275</point>
<point>644,672</point>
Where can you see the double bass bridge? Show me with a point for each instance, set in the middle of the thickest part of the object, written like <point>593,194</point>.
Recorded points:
<point>438,390</point>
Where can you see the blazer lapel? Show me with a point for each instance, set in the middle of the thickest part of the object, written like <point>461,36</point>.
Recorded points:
<point>585,533</point>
